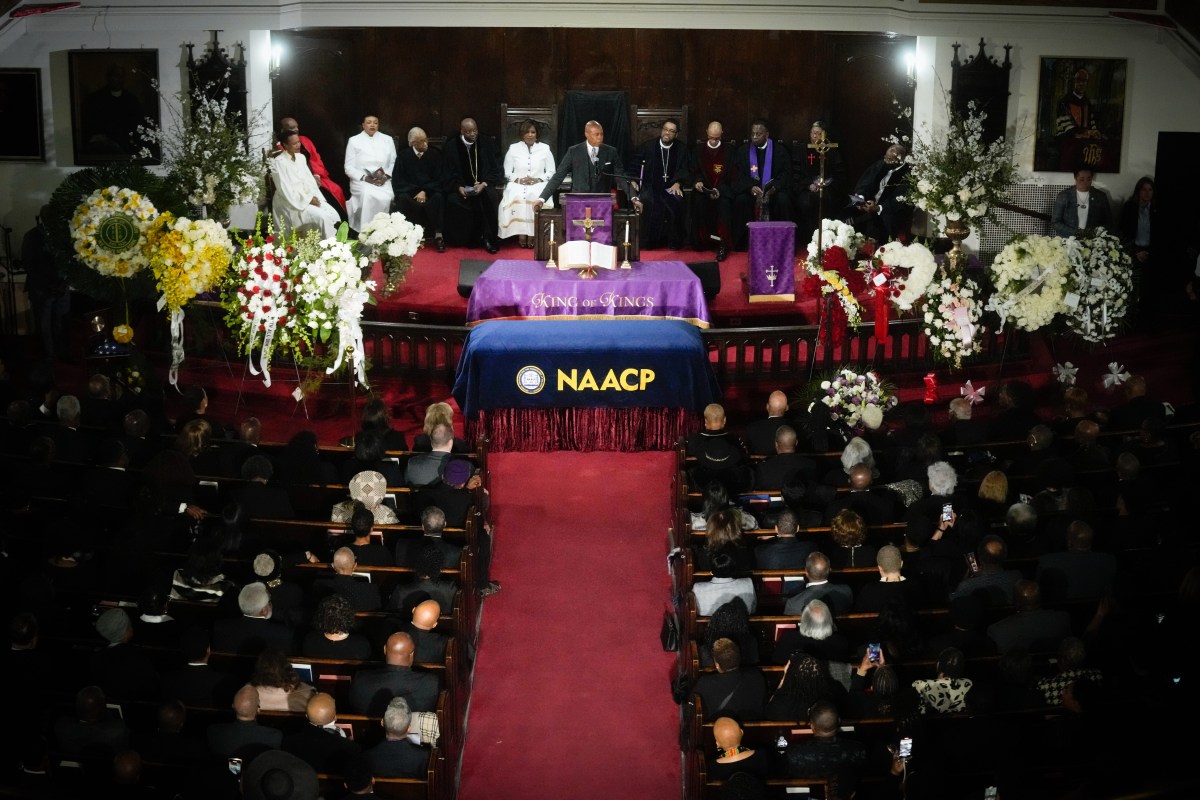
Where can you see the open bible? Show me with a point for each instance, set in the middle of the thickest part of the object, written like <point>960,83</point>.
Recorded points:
<point>580,253</point>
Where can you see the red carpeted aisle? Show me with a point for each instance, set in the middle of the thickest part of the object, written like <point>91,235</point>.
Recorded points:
<point>571,696</point>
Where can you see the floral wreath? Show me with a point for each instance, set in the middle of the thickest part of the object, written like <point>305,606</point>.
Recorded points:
<point>331,294</point>
<point>835,277</point>
<point>1098,286</point>
<point>951,317</point>
<point>1030,275</point>
<point>897,273</point>
<point>259,300</point>
<point>188,257</point>
<point>109,231</point>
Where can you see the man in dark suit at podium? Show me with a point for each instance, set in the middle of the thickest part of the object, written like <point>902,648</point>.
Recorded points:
<point>593,167</point>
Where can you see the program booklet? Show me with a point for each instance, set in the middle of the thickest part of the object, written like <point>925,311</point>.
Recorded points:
<point>581,253</point>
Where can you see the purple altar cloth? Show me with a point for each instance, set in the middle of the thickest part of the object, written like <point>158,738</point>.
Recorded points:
<point>579,207</point>
<point>772,262</point>
<point>527,290</point>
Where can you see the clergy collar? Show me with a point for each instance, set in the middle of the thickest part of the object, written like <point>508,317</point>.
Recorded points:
<point>464,141</point>
<point>665,146</point>
<point>417,152</point>
<point>712,146</point>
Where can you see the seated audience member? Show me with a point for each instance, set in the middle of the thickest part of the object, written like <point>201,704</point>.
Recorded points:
<point>122,669</point>
<point>92,725</point>
<point>1078,573</point>
<point>320,743</point>
<point>107,483</point>
<point>439,413</point>
<point>1071,666</point>
<point>878,212</point>
<point>430,644</point>
<point>723,535</point>
<point>882,695</point>
<point>457,493</point>
<point>1136,407</point>
<point>760,433</point>
<point>362,595</point>
<point>201,578</point>
<point>226,738</point>
<point>815,633</point>
<point>333,634</point>
<point>372,689</point>
<point>258,497</point>
<point>195,406</point>
<point>279,687</point>
<point>732,757</point>
<point>898,631</point>
<point>288,602</point>
<point>967,613</point>
<point>948,691</point>
<point>369,489</point>
<point>991,499</point>
<point>1032,627</point>
<point>369,454</point>
<point>396,756</point>
<point>1076,409</point>
<point>730,620</point>
<point>235,453</point>
<point>807,500</point>
<point>433,527</point>
<point>1150,445</point>
<point>875,506</point>
<point>1012,424</point>
<point>805,683</point>
<point>1089,454</point>
<point>300,462</point>
<point>992,582</point>
<point>1042,447</point>
<point>856,451</point>
<point>1020,531</point>
<point>723,587</point>
<point>198,683</point>
<point>367,551</point>
<point>425,469</point>
<point>716,498</point>
<point>255,629</point>
<point>427,567</point>
<point>136,437</point>
<point>377,418</point>
<point>761,185</point>
<point>167,743</point>
<point>849,532</point>
<point>733,690</point>
<point>195,440</point>
<point>827,754</point>
<point>473,179</point>
<point>419,184</point>
<point>873,597</point>
<point>926,520</point>
<point>963,431</point>
<point>719,454</point>
<point>153,626</point>
<point>912,461</point>
<point>278,774</point>
<point>370,164</point>
<point>784,551</point>
<point>785,465</point>
<point>838,596</point>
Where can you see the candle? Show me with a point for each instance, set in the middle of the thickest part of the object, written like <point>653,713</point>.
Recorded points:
<point>552,229</point>
<point>626,231</point>
<point>641,171</point>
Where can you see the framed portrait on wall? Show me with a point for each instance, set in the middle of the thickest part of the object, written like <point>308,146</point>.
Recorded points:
<point>112,93</point>
<point>21,111</point>
<point>1080,114</point>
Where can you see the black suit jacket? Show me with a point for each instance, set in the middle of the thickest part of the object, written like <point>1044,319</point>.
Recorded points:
<point>425,174</point>
<point>741,694</point>
<point>323,749</point>
<point>200,685</point>
<point>585,177</point>
<point>226,738</point>
<point>263,501</point>
<point>249,636</point>
<point>780,469</point>
<point>362,595</point>
<point>398,758</point>
<point>457,171</point>
<point>760,435</point>
<point>372,689</point>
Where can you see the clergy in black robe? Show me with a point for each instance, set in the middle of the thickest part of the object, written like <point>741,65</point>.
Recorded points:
<point>762,182</point>
<point>472,181</point>
<point>808,185</point>
<point>712,203</point>
<point>879,214</point>
<point>418,181</point>
<point>665,168</point>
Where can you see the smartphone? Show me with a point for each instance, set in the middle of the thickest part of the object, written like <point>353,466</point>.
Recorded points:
<point>235,766</point>
<point>990,793</point>
<point>905,747</point>
<point>972,563</point>
<point>947,512</point>
<point>874,652</point>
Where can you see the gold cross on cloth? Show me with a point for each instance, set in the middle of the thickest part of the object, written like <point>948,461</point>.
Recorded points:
<point>587,223</point>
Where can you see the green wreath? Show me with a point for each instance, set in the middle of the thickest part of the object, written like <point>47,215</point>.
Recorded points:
<point>73,191</point>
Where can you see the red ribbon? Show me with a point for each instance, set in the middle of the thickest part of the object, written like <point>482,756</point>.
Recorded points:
<point>882,292</point>
<point>931,389</point>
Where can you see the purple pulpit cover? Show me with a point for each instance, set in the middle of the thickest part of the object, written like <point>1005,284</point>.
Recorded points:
<point>772,262</point>
<point>576,208</point>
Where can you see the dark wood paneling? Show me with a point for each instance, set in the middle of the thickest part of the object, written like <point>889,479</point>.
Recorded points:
<point>433,76</point>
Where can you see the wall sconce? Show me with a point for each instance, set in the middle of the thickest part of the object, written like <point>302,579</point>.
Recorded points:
<point>276,60</point>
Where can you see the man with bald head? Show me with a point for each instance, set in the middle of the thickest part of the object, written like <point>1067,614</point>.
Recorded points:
<point>875,506</point>
<point>370,162</point>
<point>719,454</point>
<point>225,738</point>
<point>1089,454</point>
<point>321,743</point>
<point>838,596</point>
<point>592,165</point>
<point>372,689</point>
<point>731,758</point>
<point>786,465</point>
<point>760,434</point>
<point>712,204</point>
<point>1080,572</point>
<point>1035,628</point>
<point>419,185</point>
<point>363,595</point>
<point>472,182</point>
<point>430,645</point>
<point>826,754</point>
<point>329,187</point>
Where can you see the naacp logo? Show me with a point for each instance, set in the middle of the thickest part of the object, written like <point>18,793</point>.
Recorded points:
<point>531,380</point>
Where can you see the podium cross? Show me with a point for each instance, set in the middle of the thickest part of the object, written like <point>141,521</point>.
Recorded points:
<point>587,223</point>
<point>772,274</point>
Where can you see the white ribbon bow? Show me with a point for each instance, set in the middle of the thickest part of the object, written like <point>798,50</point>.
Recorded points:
<point>1116,375</point>
<point>975,396</point>
<point>176,346</point>
<point>1065,373</point>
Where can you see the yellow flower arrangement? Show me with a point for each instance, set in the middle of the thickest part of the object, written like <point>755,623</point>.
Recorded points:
<point>109,231</point>
<point>188,257</point>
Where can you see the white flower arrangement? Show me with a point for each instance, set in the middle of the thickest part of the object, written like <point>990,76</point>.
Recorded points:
<point>917,267</point>
<point>259,301</point>
<point>835,233</point>
<point>109,231</point>
<point>391,235</point>
<point>1098,286</point>
<point>1030,276</point>
<point>951,316</point>
<point>956,175</point>
<point>847,394</point>
<point>331,294</point>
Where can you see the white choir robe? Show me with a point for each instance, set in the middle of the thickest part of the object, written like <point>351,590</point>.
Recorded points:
<point>365,154</point>
<point>516,206</point>
<point>295,187</point>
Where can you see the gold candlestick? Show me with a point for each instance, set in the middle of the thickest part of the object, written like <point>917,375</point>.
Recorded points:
<point>550,262</point>
<point>625,264</point>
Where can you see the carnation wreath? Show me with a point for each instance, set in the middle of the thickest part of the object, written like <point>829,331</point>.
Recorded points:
<point>1098,286</point>
<point>1030,276</point>
<point>259,300</point>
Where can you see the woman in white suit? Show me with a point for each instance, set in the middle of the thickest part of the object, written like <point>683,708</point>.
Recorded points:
<point>528,164</point>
